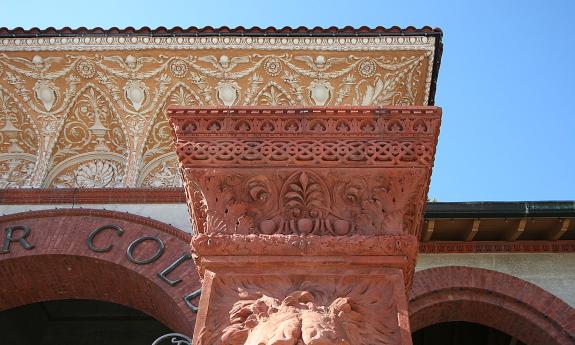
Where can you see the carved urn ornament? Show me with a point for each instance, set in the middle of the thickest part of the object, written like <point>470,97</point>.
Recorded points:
<point>305,220</point>
<point>11,133</point>
<point>45,91</point>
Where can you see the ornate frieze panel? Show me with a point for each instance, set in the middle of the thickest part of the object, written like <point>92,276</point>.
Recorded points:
<point>91,148</point>
<point>136,78</point>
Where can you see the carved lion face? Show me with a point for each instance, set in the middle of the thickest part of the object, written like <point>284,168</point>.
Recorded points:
<point>296,320</point>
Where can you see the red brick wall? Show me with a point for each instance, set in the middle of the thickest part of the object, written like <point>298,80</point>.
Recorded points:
<point>494,299</point>
<point>61,266</point>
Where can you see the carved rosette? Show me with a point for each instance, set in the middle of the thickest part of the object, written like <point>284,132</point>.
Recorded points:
<point>301,196</point>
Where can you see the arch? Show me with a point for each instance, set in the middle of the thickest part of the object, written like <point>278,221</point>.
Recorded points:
<point>494,299</point>
<point>61,265</point>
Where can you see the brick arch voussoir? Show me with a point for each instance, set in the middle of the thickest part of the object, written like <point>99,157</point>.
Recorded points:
<point>493,299</point>
<point>62,266</point>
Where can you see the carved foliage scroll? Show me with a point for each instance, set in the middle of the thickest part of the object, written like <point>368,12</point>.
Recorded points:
<point>18,143</point>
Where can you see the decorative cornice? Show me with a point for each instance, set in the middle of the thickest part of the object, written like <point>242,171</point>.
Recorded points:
<point>306,136</point>
<point>121,42</point>
<point>453,247</point>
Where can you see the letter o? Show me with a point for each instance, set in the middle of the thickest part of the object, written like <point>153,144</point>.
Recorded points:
<point>153,258</point>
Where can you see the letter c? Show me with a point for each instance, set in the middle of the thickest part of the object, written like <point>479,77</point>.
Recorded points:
<point>90,239</point>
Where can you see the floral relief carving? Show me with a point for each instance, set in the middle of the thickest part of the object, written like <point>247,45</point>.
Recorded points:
<point>305,202</point>
<point>15,173</point>
<point>288,189</point>
<point>99,173</point>
<point>165,174</point>
<point>138,85</point>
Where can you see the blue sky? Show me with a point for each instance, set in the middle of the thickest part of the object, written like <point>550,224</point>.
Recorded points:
<point>506,84</point>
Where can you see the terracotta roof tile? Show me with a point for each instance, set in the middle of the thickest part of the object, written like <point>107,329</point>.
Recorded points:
<point>224,30</point>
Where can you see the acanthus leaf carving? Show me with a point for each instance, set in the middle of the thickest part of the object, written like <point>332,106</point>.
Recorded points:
<point>303,202</point>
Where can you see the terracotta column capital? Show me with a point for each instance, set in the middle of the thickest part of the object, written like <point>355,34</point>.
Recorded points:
<point>292,207</point>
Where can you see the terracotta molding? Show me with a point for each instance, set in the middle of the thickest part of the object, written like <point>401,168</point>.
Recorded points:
<point>304,245</point>
<point>566,246</point>
<point>92,196</point>
<point>77,212</point>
